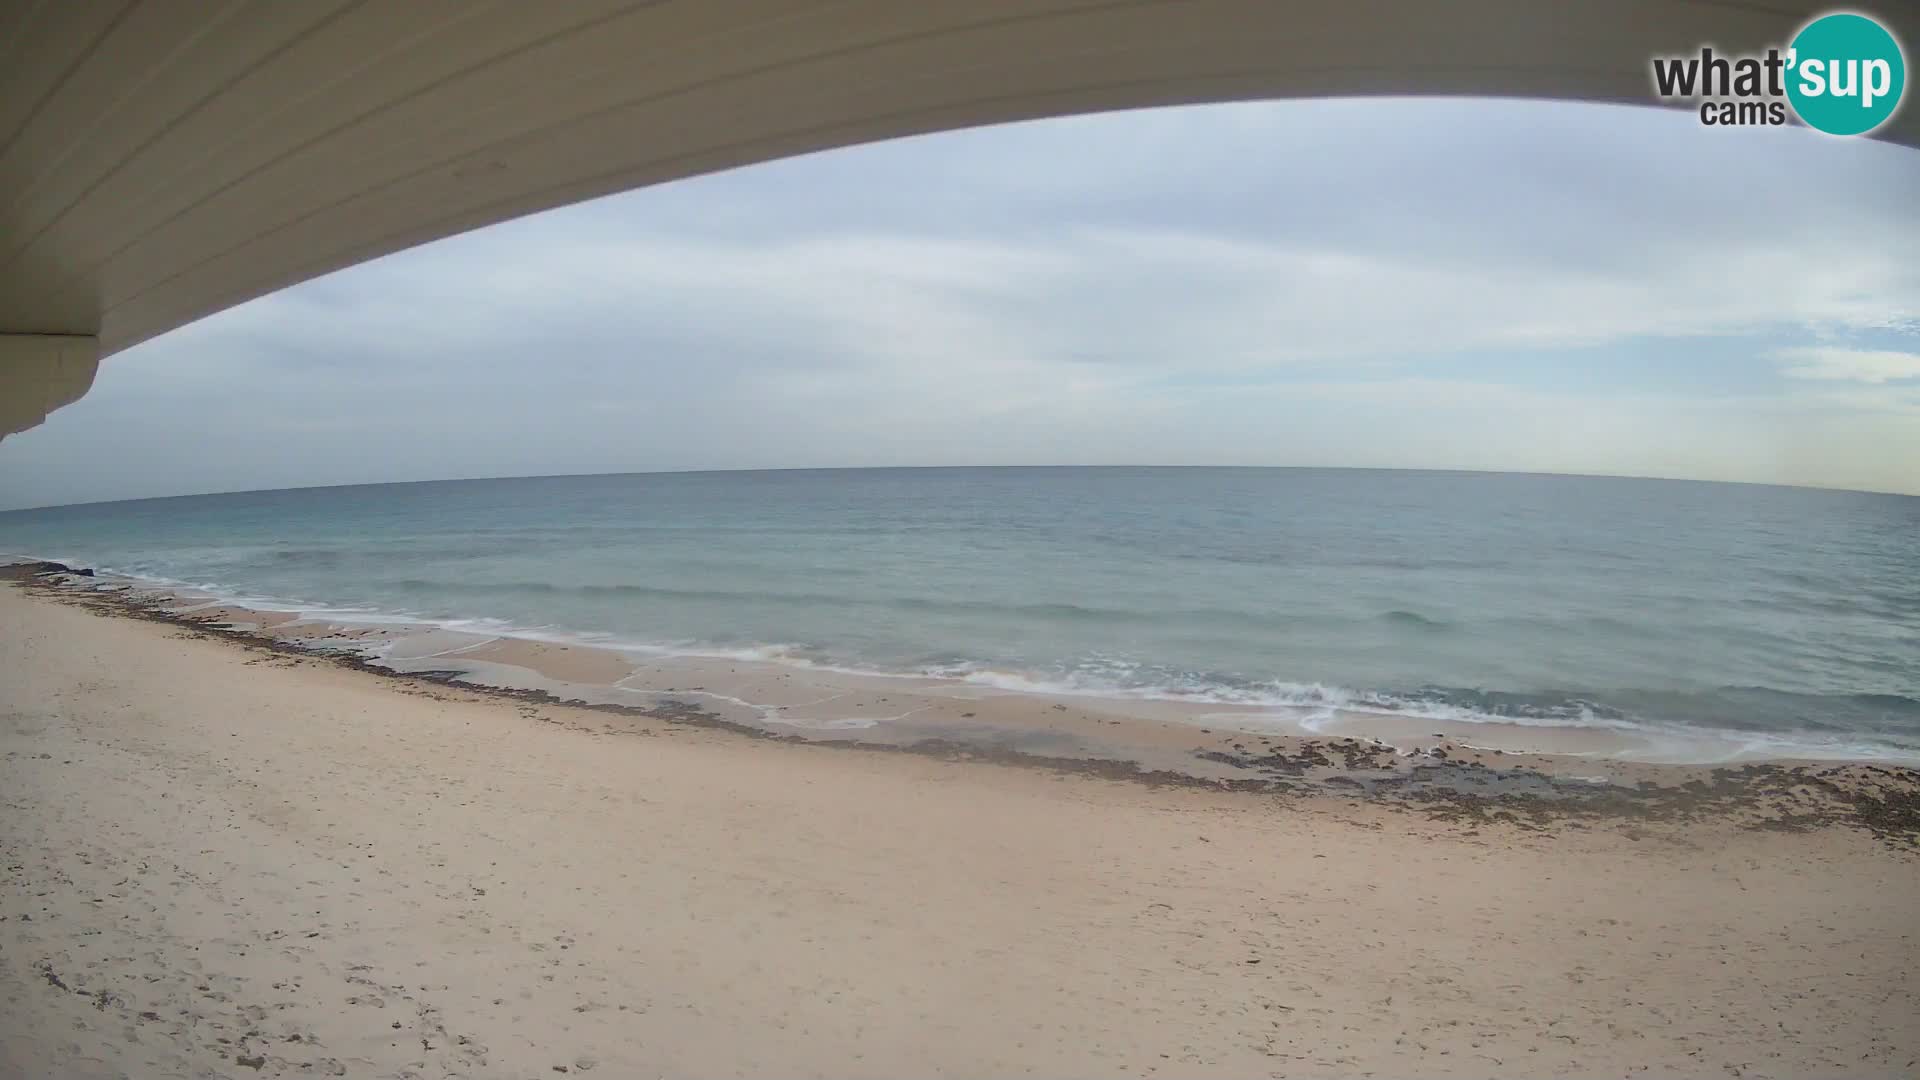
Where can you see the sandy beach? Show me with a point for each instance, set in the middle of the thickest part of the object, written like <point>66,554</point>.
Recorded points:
<point>224,858</point>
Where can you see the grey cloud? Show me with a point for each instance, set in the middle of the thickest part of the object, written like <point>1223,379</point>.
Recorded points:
<point>1039,292</point>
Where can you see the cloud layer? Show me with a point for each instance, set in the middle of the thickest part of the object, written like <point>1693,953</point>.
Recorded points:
<point>1386,283</point>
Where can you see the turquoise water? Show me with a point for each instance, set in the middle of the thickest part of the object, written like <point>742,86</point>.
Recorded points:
<point>1766,613</point>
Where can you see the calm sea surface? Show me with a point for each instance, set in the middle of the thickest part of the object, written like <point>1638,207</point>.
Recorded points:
<point>1777,616</point>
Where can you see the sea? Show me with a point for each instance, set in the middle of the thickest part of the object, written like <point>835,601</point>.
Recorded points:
<point>1766,619</point>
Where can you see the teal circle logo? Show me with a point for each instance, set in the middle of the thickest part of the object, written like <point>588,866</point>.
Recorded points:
<point>1845,74</point>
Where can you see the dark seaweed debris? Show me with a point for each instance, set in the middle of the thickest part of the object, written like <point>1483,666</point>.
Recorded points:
<point>1884,801</point>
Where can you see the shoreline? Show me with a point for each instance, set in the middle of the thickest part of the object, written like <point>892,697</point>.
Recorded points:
<point>231,856</point>
<point>596,666</point>
<point>1435,773</point>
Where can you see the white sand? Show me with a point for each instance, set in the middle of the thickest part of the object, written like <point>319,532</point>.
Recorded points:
<point>219,862</point>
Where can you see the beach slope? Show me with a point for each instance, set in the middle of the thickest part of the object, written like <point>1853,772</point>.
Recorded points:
<point>221,860</point>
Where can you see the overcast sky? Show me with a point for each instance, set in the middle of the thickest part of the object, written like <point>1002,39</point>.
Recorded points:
<point>1448,284</point>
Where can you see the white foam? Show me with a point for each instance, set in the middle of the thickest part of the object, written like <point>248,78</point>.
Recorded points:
<point>839,723</point>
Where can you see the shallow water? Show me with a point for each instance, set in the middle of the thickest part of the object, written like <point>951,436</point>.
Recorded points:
<point>1781,619</point>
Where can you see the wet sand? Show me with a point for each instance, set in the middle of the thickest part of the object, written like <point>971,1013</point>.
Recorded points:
<point>231,852</point>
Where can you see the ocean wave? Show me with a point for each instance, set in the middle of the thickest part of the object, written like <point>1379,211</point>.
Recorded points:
<point>1477,706</point>
<point>1051,611</point>
<point>321,557</point>
<point>1058,611</point>
<point>1308,706</point>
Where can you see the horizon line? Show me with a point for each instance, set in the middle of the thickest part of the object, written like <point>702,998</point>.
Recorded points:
<point>708,471</point>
